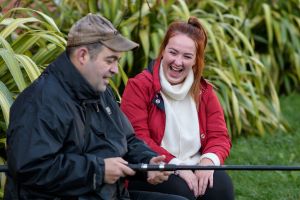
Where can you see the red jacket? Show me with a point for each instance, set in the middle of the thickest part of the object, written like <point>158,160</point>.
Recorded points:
<point>143,105</point>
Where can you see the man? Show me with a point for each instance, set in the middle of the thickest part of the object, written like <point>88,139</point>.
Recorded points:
<point>67,137</point>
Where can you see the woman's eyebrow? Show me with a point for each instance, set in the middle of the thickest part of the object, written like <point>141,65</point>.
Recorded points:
<point>171,48</point>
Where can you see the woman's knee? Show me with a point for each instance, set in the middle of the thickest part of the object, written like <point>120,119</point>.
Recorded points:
<point>178,186</point>
<point>222,187</point>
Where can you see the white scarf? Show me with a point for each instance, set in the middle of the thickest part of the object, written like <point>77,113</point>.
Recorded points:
<point>181,136</point>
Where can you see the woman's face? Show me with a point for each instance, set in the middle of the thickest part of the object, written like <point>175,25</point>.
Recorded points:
<point>178,59</point>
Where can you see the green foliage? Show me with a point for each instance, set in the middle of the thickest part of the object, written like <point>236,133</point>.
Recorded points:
<point>240,72</point>
<point>29,40</point>
<point>244,86</point>
<point>276,149</point>
<point>274,26</point>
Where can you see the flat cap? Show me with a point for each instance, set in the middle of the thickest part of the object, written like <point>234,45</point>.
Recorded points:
<point>94,28</point>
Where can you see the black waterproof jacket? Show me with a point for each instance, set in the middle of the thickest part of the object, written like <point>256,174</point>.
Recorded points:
<point>60,131</point>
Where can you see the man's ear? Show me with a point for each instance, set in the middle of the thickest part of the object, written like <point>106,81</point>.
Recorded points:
<point>82,55</point>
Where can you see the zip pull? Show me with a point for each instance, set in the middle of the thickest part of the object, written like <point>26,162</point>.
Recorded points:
<point>108,110</point>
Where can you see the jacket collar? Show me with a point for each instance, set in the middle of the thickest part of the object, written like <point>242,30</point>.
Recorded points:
<point>153,68</point>
<point>71,79</point>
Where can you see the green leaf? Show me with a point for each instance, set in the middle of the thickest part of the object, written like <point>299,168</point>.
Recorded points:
<point>123,75</point>
<point>92,6</point>
<point>49,22</point>
<point>144,37</point>
<point>244,39</point>
<point>5,44</point>
<point>212,38</point>
<point>115,89</point>
<point>268,19</point>
<point>5,101</point>
<point>25,42</point>
<point>14,68</point>
<point>155,41</point>
<point>15,24</point>
<point>30,67</point>
<point>236,112</point>
<point>52,38</point>
<point>184,9</point>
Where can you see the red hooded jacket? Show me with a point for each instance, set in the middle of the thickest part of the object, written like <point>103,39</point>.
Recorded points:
<point>143,105</point>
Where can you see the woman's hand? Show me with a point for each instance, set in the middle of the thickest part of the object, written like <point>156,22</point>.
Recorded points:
<point>205,177</point>
<point>191,180</point>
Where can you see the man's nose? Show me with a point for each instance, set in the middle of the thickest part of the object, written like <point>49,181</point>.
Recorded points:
<point>115,69</point>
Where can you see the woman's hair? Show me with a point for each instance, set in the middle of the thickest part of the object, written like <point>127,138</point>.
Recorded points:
<point>194,30</point>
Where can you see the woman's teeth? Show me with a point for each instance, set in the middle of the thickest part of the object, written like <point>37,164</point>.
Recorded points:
<point>176,69</point>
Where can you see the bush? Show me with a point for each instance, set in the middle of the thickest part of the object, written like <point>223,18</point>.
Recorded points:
<point>242,79</point>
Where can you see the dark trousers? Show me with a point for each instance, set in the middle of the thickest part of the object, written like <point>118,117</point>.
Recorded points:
<point>143,195</point>
<point>222,188</point>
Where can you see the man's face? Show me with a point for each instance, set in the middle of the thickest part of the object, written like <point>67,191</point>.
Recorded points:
<point>99,70</point>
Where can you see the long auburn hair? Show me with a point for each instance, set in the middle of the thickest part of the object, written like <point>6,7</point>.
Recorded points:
<point>194,30</point>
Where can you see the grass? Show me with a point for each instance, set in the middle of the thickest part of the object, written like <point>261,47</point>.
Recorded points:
<point>272,149</point>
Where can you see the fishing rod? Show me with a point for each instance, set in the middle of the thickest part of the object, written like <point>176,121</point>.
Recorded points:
<point>172,167</point>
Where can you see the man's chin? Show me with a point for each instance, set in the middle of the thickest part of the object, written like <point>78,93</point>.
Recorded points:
<point>102,88</point>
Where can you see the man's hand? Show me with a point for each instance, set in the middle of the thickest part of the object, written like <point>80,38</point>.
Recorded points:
<point>155,177</point>
<point>116,168</point>
<point>205,177</point>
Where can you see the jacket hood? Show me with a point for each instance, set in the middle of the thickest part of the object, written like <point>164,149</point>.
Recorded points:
<point>65,71</point>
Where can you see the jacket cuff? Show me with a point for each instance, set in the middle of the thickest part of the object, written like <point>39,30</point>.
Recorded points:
<point>98,176</point>
<point>175,161</point>
<point>148,158</point>
<point>213,157</point>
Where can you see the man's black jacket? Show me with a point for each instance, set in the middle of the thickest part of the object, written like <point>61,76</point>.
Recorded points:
<point>60,131</point>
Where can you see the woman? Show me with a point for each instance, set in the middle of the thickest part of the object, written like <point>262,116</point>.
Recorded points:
<point>177,113</point>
